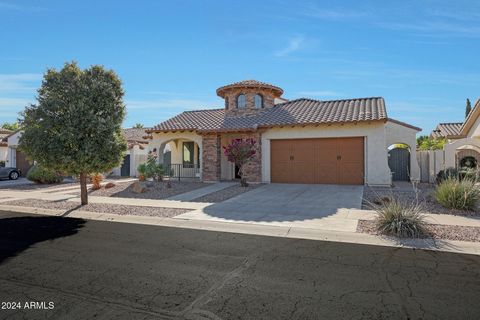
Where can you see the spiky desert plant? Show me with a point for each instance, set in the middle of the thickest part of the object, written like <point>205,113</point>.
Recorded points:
<point>454,193</point>
<point>401,219</point>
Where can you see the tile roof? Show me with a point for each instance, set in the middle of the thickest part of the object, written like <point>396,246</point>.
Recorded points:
<point>4,133</point>
<point>250,84</point>
<point>135,134</point>
<point>294,112</point>
<point>136,137</point>
<point>444,130</point>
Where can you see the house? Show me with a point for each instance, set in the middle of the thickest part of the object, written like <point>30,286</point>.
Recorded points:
<point>4,133</point>
<point>463,140</point>
<point>16,158</point>
<point>136,154</point>
<point>300,141</point>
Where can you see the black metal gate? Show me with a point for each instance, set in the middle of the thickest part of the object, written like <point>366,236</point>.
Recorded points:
<point>399,163</point>
<point>125,169</point>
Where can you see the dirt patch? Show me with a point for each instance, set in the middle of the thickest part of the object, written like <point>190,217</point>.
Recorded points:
<point>156,190</point>
<point>425,197</point>
<point>435,231</point>
<point>99,207</point>
<point>226,193</point>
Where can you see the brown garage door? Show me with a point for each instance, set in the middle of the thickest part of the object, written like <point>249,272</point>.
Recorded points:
<point>22,163</point>
<point>326,160</point>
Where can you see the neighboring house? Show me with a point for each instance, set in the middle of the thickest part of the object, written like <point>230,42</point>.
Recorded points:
<point>136,154</point>
<point>300,141</point>
<point>463,140</point>
<point>16,158</point>
<point>4,133</point>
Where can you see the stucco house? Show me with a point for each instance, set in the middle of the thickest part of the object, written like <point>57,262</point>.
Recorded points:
<point>4,133</point>
<point>14,157</point>
<point>463,139</point>
<point>300,141</point>
<point>136,153</point>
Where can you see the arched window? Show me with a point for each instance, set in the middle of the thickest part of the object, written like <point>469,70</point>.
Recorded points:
<point>258,101</point>
<point>241,101</point>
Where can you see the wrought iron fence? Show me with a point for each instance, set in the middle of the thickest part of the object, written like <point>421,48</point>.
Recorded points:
<point>182,171</point>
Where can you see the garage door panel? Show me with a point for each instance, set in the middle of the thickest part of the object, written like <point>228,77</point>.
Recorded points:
<point>324,160</point>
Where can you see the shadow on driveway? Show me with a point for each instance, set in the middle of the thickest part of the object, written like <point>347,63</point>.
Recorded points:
<point>19,233</point>
<point>286,203</point>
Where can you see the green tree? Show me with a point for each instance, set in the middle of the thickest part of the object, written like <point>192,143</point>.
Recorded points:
<point>75,126</point>
<point>10,126</point>
<point>432,144</point>
<point>468,108</point>
<point>138,126</point>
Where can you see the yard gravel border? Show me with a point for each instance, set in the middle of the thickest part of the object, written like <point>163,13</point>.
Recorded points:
<point>100,208</point>
<point>435,231</point>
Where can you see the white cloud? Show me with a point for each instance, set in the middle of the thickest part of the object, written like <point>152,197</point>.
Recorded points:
<point>19,83</point>
<point>294,44</point>
<point>335,15</point>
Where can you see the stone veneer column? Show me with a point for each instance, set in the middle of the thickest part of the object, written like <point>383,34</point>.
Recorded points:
<point>211,152</point>
<point>253,170</point>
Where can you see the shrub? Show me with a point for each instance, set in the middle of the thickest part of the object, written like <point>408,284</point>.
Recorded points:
<point>39,174</point>
<point>400,219</point>
<point>142,171</point>
<point>2,163</point>
<point>457,194</point>
<point>446,174</point>
<point>96,181</point>
<point>153,169</point>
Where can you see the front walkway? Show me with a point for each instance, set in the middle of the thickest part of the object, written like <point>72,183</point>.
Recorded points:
<point>200,192</point>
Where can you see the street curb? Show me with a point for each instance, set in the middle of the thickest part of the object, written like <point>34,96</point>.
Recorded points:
<point>274,231</point>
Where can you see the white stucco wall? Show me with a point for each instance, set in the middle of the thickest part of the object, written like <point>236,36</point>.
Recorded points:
<point>396,133</point>
<point>377,171</point>
<point>451,148</point>
<point>13,139</point>
<point>3,153</point>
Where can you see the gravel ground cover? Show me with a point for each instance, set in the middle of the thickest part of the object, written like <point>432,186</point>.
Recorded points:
<point>226,193</point>
<point>425,197</point>
<point>156,190</point>
<point>39,187</point>
<point>436,231</point>
<point>99,207</point>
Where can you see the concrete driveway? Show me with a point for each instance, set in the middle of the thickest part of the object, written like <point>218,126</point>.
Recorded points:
<point>299,205</point>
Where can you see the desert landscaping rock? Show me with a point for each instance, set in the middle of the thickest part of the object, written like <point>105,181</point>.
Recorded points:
<point>155,190</point>
<point>139,187</point>
<point>436,231</point>
<point>100,207</point>
<point>426,197</point>
<point>226,194</point>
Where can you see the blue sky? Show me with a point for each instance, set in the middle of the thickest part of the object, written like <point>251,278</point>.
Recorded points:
<point>421,56</point>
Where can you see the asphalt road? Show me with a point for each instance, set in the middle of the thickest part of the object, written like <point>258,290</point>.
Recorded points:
<point>105,270</point>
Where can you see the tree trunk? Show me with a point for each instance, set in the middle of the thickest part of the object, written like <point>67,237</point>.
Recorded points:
<point>83,189</point>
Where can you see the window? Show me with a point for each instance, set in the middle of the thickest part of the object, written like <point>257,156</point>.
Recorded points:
<point>226,102</point>
<point>241,101</point>
<point>258,101</point>
<point>188,153</point>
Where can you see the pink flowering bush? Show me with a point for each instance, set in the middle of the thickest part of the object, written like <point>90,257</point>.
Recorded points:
<point>240,152</point>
